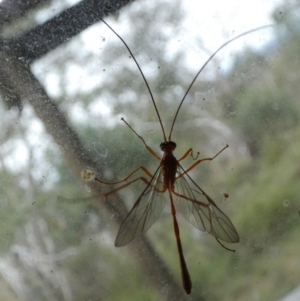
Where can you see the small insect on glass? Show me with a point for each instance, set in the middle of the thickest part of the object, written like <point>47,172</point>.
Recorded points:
<point>172,180</point>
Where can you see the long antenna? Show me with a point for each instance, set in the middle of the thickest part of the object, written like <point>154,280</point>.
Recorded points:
<point>151,95</point>
<point>209,59</point>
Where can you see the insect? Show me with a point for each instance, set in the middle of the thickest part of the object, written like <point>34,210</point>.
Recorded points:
<point>172,179</point>
<point>225,195</point>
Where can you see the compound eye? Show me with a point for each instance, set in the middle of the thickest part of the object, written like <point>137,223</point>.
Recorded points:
<point>167,145</point>
<point>173,144</point>
<point>162,145</point>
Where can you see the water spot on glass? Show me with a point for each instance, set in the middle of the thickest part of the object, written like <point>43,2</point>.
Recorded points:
<point>210,94</point>
<point>100,149</point>
<point>170,112</point>
<point>151,130</point>
<point>192,100</point>
<point>286,203</point>
<point>87,188</point>
<point>225,195</point>
<point>114,215</point>
<point>61,149</point>
<point>153,121</point>
<point>87,175</point>
<point>199,96</point>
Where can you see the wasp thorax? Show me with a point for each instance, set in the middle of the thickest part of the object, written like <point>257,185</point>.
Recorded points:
<point>167,146</point>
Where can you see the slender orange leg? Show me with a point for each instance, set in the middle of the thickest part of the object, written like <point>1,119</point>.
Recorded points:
<point>189,152</point>
<point>199,161</point>
<point>147,182</point>
<point>144,169</point>
<point>124,185</point>
<point>149,149</point>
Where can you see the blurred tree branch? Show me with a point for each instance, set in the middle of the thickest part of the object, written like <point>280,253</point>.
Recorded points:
<point>26,87</point>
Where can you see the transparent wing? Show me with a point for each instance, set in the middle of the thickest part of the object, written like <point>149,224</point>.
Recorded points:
<point>201,211</point>
<point>144,212</point>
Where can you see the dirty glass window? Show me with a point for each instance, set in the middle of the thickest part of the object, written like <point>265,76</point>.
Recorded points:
<point>66,80</point>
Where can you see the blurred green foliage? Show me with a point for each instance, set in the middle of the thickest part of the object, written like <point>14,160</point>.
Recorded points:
<point>262,182</point>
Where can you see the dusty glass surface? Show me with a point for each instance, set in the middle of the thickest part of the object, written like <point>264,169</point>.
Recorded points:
<point>58,232</point>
